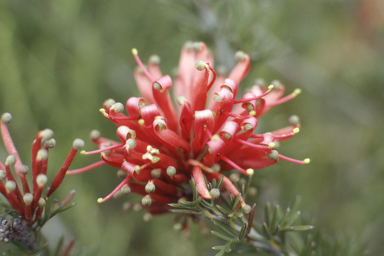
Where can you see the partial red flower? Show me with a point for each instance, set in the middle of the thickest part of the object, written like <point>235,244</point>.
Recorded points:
<point>199,130</point>
<point>29,202</point>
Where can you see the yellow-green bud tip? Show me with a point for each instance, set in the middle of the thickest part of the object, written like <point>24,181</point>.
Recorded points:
<point>250,171</point>
<point>307,160</point>
<point>83,152</point>
<point>296,130</point>
<point>141,122</point>
<point>270,87</point>
<point>297,91</point>
<point>100,200</point>
<point>134,51</point>
<point>252,113</point>
<point>215,137</point>
<point>272,145</point>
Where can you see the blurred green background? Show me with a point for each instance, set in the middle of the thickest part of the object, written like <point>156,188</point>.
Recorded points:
<point>59,60</point>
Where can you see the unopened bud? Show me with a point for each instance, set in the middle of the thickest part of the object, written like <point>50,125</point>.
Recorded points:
<point>50,143</point>
<point>146,201</point>
<point>239,55</point>
<point>274,155</point>
<point>246,208</point>
<point>247,127</point>
<point>28,198</point>
<point>118,107</point>
<point>131,143</point>
<point>260,82</point>
<point>95,134</point>
<point>109,102</point>
<point>10,186</point>
<point>125,190</point>
<point>46,134</point>
<point>10,161</point>
<point>78,144</point>
<point>215,193</point>
<point>217,98</point>
<point>118,194</point>
<point>147,217</point>
<point>137,207</point>
<point>221,70</point>
<point>234,177</point>
<point>216,167</point>
<point>156,173</point>
<point>150,187</point>
<point>41,202</point>
<point>276,84</point>
<point>294,120</point>
<point>121,174</point>
<point>154,59</point>
<point>42,155</point>
<point>277,144</point>
<point>200,65</point>
<point>6,118</point>
<point>41,180</point>
<point>157,86</point>
<point>3,175</point>
<point>197,46</point>
<point>126,206</point>
<point>252,191</point>
<point>171,171</point>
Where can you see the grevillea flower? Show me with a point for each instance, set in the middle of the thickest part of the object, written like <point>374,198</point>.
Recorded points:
<point>29,202</point>
<point>205,130</point>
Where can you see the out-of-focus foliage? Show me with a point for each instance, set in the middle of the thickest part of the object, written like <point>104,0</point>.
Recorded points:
<point>59,60</point>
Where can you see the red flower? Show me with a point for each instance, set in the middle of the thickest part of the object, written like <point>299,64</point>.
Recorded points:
<point>207,132</point>
<point>29,204</point>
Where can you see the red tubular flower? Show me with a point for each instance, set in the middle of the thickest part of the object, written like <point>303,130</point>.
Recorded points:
<point>206,132</point>
<point>30,205</point>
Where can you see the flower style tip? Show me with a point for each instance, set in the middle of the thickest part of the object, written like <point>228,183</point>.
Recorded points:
<point>163,146</point>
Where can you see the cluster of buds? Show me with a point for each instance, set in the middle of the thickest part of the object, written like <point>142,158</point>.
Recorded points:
<point>209,131</point>
<point>29,202</point>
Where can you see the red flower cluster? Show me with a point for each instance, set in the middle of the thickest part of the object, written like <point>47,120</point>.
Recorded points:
<point>208,132</point>
<point>30,204</point>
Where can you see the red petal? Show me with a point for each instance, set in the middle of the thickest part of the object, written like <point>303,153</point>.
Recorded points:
<point>170,139</point>
<point>240,70</point>
<point>203,127</point>
<point>218,146</point>
<point>251,163</point>
<point>186,120</point>
<point>199,94</point>
<point>113,159</point>
<point>144,85</point>
<point>230,84</point>
<point>202,189</point>
<point>154,70</point>
<point>164,102</point>
<point>186,72</point>
<point>134,105</point>
<point>231,128</point>
<point>168,188</point>
<point>225,106</point>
